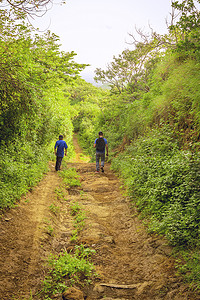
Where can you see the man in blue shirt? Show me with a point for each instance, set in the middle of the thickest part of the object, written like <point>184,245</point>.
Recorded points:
<point>100,144</point>
<point>59,148</point>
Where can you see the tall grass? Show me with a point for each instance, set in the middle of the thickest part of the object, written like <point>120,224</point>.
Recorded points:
<point>20,171</point>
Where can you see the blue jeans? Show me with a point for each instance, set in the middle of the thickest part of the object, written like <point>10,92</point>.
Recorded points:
<point>98,157</point>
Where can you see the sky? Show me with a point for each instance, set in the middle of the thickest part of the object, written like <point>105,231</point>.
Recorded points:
<point>97,30</point>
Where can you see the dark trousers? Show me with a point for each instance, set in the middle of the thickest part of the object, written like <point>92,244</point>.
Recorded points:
<point>58,162</point>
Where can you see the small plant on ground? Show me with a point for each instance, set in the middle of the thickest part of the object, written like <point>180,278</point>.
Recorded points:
<point>75,208</point>
<point>70,177</point>
<point>50,230</point>
<point>68,269</point>
<point>48,227</point>
<point>79,219</point>
<point>188,264</point>
<point>61,193</point>
<point>54,209</point>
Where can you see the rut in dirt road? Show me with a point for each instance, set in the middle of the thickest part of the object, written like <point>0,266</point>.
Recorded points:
<point>131,264</point>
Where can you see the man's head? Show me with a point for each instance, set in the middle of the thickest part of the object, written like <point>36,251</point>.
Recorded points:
<point>60,137</point>
<point>100,133</point>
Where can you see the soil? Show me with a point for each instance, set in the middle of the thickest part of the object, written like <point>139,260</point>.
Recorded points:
<point>131,263</point>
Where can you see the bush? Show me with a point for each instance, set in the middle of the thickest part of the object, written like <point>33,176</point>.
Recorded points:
<point>163,181</point>
<point>19,172</point>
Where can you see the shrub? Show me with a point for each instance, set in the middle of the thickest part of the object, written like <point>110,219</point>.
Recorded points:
<point>164,183</point>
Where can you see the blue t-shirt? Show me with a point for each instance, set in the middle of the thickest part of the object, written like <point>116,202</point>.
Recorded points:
<point>60,145</point>
<point>105,144</point>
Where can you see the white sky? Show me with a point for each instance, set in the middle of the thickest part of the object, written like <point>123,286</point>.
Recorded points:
<point>98,29</point>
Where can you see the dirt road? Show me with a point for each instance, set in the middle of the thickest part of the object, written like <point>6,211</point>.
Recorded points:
<point>131,263</point>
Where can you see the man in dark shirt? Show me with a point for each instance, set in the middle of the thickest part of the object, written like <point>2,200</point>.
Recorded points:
<point>100,144</point>
<point>59,148</point>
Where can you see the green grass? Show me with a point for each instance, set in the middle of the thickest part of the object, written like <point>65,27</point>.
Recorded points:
<point>19,172</point>
<point>79,217</point>
<point>188,265</point>
<point>70,177</point>
<point>54,209</point>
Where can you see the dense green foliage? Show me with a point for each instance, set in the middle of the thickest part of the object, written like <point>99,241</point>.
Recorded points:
<point>164,183</point>
<point>34,105</point>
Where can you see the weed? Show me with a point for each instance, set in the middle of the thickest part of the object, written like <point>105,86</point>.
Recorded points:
<point>46,220</point>
<point>61,193</point>
<point>55,209</point>
<point>82,193</point>
<point>67,269</point>
<point>70,177</point>
<point>79,219</point>
<point>188,265</point>
<point>79,222</point>
<point>50,230</point>
<point>75,208</point>
<point>83,252</point>
<point>74,235</point>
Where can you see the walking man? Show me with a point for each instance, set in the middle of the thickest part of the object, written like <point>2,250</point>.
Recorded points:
<point>59,149</point>
<point>100,144</point>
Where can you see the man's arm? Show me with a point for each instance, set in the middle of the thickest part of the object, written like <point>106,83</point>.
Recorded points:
<point>95,143</point>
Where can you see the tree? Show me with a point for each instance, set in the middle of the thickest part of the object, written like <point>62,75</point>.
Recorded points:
<point>28,7</point>
<point>32,68</point>
<point>188,13</point>
<point>187,28</point>
<point>128,72</point>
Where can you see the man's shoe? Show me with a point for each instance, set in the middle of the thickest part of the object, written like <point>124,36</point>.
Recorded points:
<point>102,170</point>
<point>96,171</point>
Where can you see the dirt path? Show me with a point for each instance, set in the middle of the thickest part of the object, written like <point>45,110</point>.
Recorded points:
<point>131,263</point>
